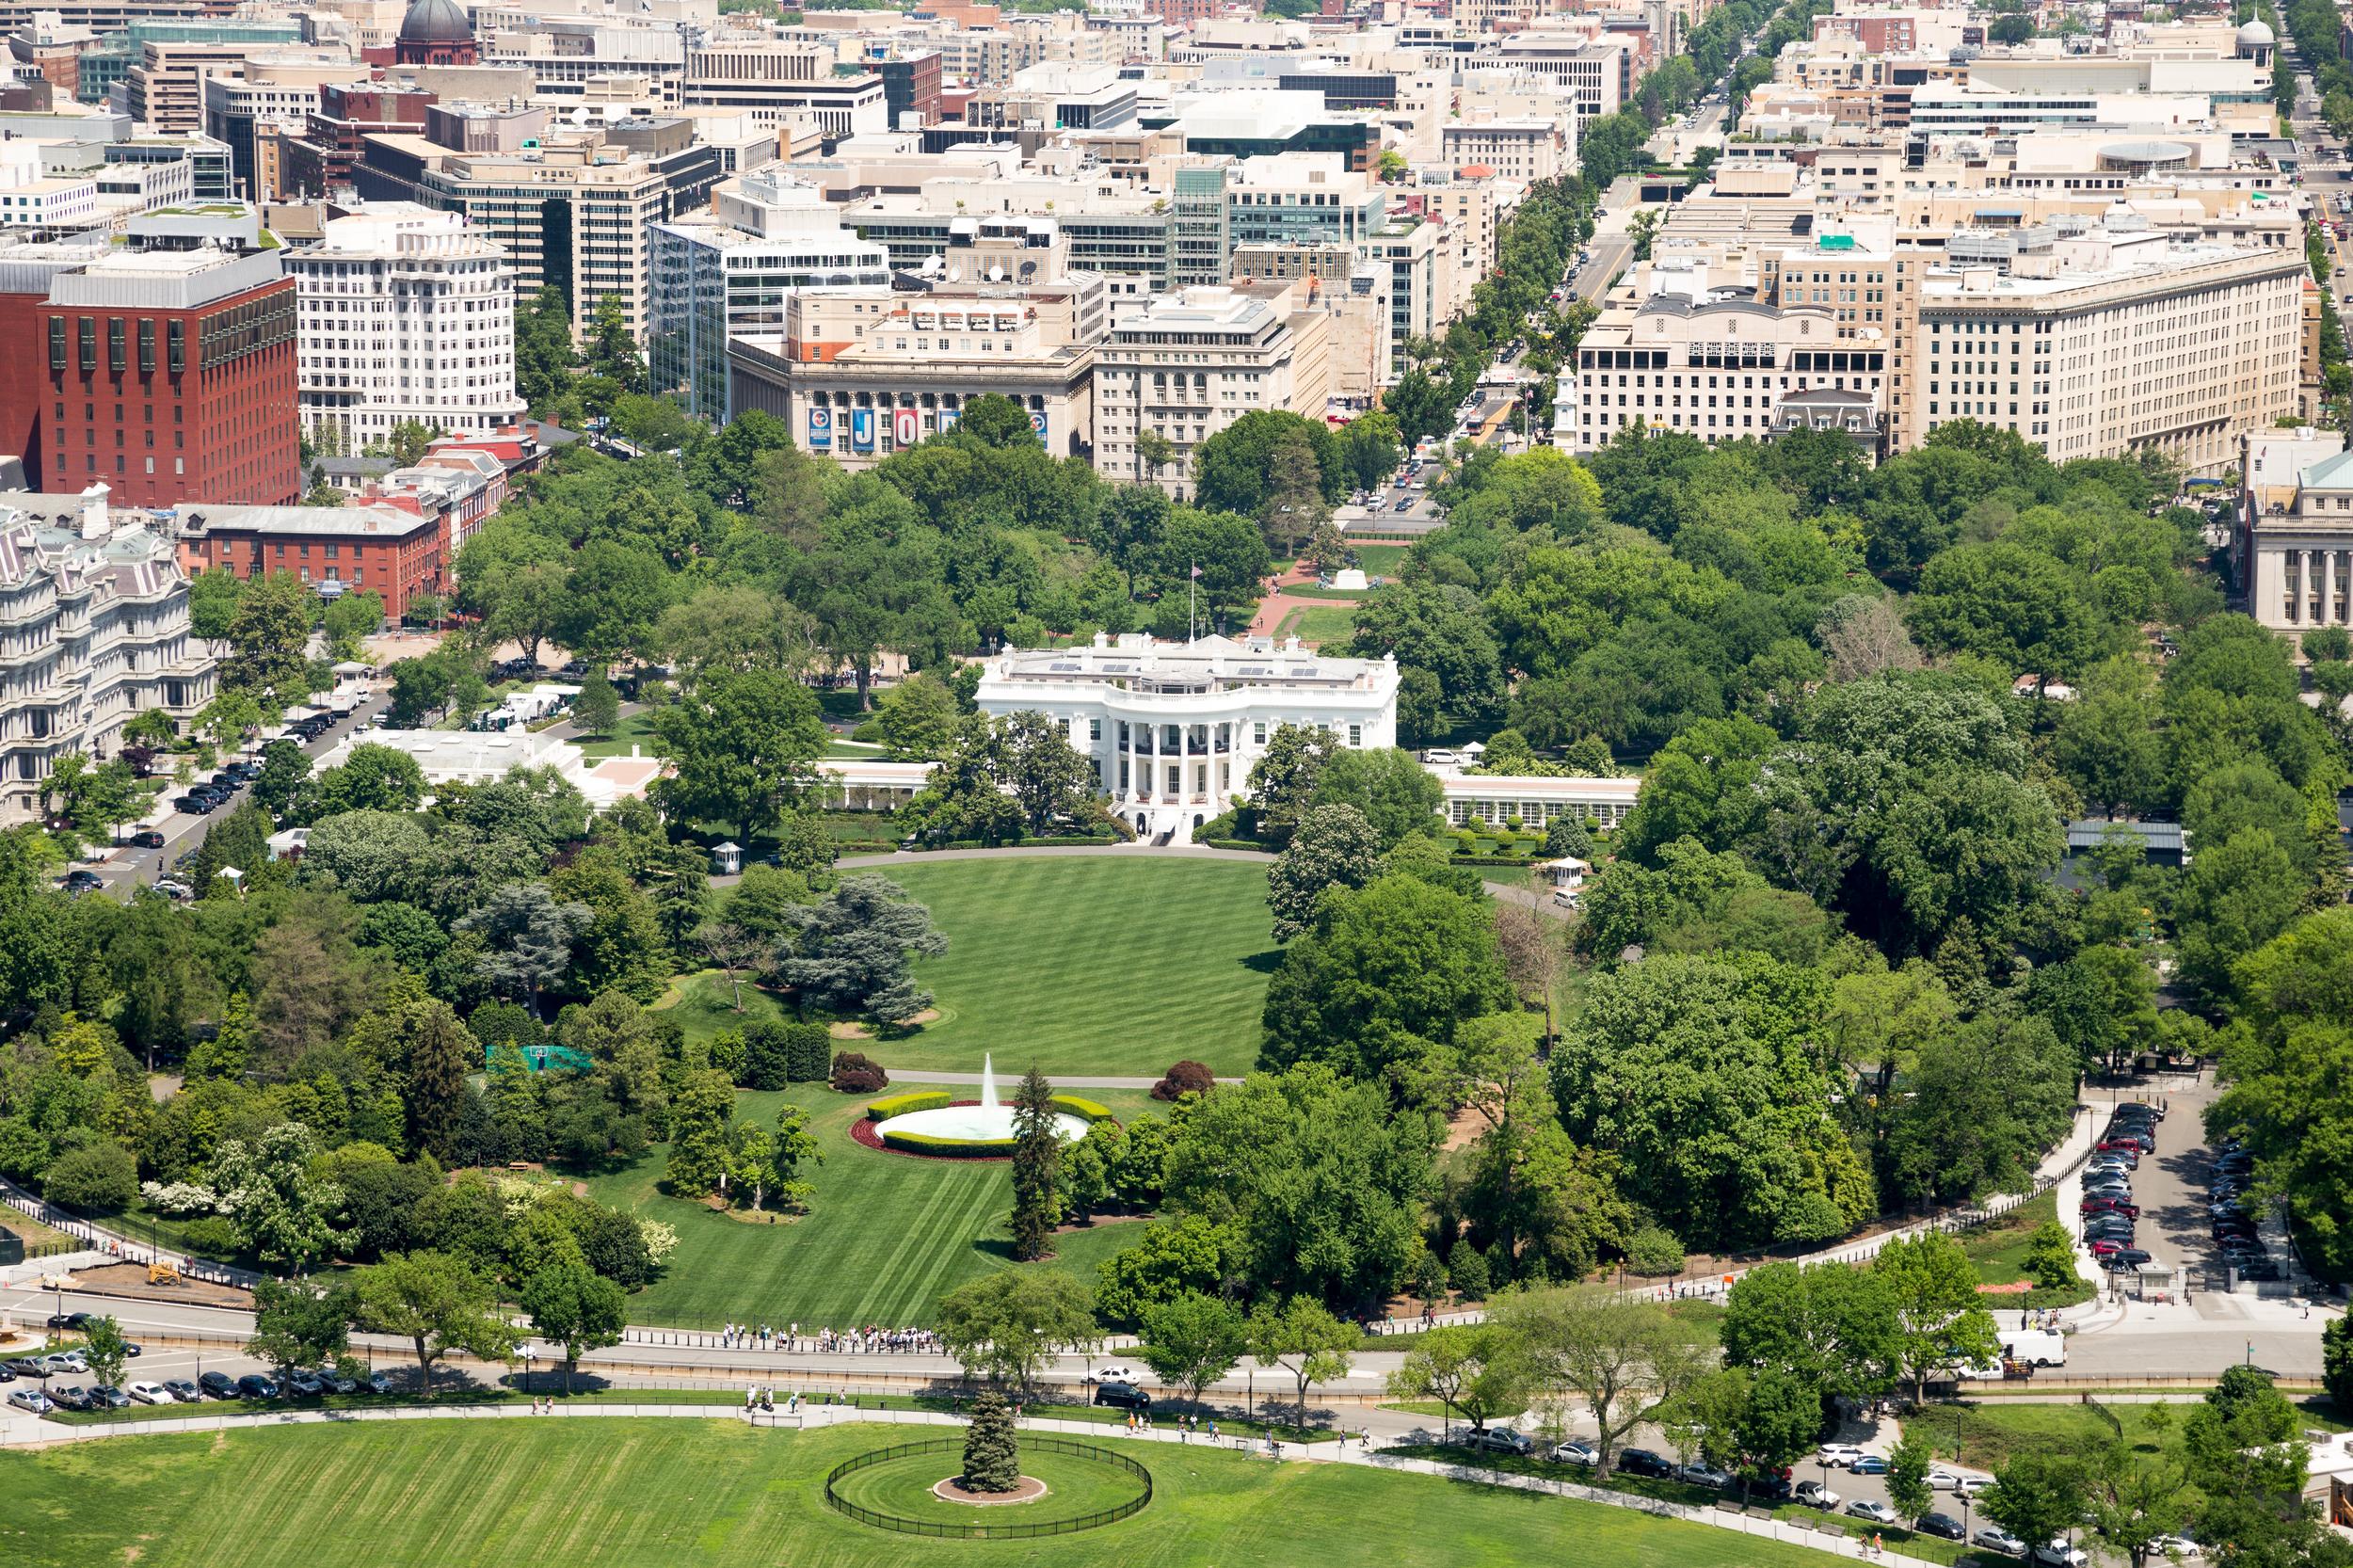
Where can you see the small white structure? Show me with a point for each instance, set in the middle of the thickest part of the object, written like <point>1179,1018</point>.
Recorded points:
<point>726,859</point>
<point>1351,577</point>
<point>1493,799</point>
<point>1565,877</point>
<point>484,757</point>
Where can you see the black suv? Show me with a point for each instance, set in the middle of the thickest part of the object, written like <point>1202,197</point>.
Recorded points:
<point>1641,1461</point>
<point>220,1385</point>
<point>253,1385</point>
<point>1122,1396</point>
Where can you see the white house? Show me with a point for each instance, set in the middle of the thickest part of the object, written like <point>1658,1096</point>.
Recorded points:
<point>1174,727</point>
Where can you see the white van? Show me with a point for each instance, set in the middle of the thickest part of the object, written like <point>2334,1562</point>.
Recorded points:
<point>2037,1347</point>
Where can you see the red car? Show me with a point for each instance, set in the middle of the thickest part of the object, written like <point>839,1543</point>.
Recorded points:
<point>2111,1206</point>
<point>2122,1146</point>
<point>2106,1249</point>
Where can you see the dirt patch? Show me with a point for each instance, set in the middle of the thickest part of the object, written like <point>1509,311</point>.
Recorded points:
<point>130,1279</point>
<point>1465,1128</point>
<point>1030,1491</point>
<point>846,1030</point>
<point>929,1015</point>
<point>1100,1221</point>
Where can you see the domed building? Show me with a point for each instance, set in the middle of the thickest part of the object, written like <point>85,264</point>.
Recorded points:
<point>2256,42</point>
<point>435,32</point>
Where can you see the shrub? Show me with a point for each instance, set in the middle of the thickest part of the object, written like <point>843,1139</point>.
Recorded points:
<point>1467,1270</point>
<point>1654,1251</point>
<point>1186,1076</point>
<point>1085,1110</point>
<point>776,1054</point>
<point>99,1179</point>
<point>855,1074</point>
<point>901,1105</point>
<point>949,1148</point>
<point>2051,1255</point>
<point>210,1237</point>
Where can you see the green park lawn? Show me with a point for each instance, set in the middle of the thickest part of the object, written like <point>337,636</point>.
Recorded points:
<point>1097,966</point>
<point>1318,627</point>
<point>1076,1485</point>
<point>886,1233</point>
<point>633,730</point>
<point>1381,560</point>
<point>681,1494</point>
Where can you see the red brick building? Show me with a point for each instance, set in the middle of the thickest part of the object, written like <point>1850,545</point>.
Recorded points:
<point>170,375</point>
<point>335,133</point>
<point>390,547</point>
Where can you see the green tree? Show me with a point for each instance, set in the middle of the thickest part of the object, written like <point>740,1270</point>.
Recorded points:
<point>1941,1320</point>
<point>1379,987</point>
<point>1622,1360</point>
<point>2134,1501</point>
<point>1476,1371</point>
<point>284,770</point>
<point>1908,1488</point>
<point>2051,1256</point>
<point>1303,1338</point>
<point>855,950</point>
<point>1192,1341</point>
<point>281,1212</point>
<point>1371,447</point>
<point>436,1301</point>
<point>1238,469</point>
<point>700,1112</point>
<point>992,1460</point>
<point>2236,896</point>
<point>1282,780</point>
<point>104,1348</point>
<point>297,1324</point>
<point>1036,1168</point>
<point>741,747</point>
<point>1334,847</point>
<point>1005,1325</point>
<point>1176,1258</point>
<point>268,634</point>
<point>613,598</point>
<point>2036,1497</point>
<point>1389,788</point>
<point>1836,1328</point>
<point>349,619</point>
<point>576,1308</point>
<point>598,709</point>
<point>918,718</point>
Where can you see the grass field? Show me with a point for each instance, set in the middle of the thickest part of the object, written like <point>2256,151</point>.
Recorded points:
<point>676,1493</point>
<point>1988,1435</point>
<point>1108,966</point>
<point>886,1233</point>
<point>635,730</point>
<point>704,1005</point>
<point>1381,560</point>
<point>1318,627</point>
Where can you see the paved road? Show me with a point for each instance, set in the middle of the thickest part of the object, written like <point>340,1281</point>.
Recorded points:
<point>1612,255</point>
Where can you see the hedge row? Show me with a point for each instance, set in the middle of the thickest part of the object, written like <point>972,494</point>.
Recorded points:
<point>1251,844</point>
<point>901,1105</point>
<point>950,1148</point>
<point>1085,1110</point>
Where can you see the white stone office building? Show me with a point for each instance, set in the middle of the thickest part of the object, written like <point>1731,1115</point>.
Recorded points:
<point>93,630</point>
<point>403,314</point>
<point>2296,557</point>
<point>1174,727</point>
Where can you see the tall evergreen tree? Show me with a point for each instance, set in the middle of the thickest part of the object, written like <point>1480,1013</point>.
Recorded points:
<point>992,1453</point>
<point>1036,1167</point>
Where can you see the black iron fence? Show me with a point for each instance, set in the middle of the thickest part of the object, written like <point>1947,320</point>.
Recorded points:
<point>1034,1442</point>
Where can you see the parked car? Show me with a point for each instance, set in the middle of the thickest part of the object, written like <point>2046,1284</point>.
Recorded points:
<point>2261,1268</point>
<point>1704,1475</point>
<point>148,838</point>
<point>1438,754</point>
<point>71,1322</point>
<point>1578,1451</point>
<point>255,1385</point>
<point>2059,1554</point>
<point>2102,1251</point>
<point>1869,1465</point>
<point>110,1398</point>
<point>75,1398</point>
<point>31,1400</point>
<point>193,804</point>
<point>1995,1539</point>
<point>151,1393</point>
<point>65,1361</point>
<point>185,1391</point>
<point>1873,1510</point>
<point>220,1385</point>
<point>2131,1257</point>
<point>377,1382</point>
<point>336,1383</point>
<point>1838,1455</point>
<point>304,1384</point>
<point>1815,1495</point>
<point>2125,1206</point>
<point>173,888</point>
<point>1119,1371</point>
<point>1498,1440</point>
<point>1122,1396</point>
<point>1943,1526</point>
<point>81,882</point>
<point>1643,1462</point>
<point>2175,1545</point>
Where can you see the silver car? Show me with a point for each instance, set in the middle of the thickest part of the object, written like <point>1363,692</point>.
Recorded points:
<point>1998,1540</point>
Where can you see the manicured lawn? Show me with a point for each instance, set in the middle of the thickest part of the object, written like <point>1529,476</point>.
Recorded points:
<point>1985,1436</point>
<point>704,1005</point>
<point>1381,560</point>
<point>1076,1487</point>
<point>673,1494</point>
<point>1999,1251</point>
<point>1318,627</point>
<point>1109,966</point>
<point>635,730</point>
<point>886,1233</point>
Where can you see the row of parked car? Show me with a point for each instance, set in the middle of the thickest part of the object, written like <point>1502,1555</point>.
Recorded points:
<point>2111,1219</point>
<point>215,791</point>
<point>301,1383</point>
<point>2237,1235</point>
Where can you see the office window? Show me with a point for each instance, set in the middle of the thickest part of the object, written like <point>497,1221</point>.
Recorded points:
<point>88,334</point>
<point>56,350</point>
<point>177,355</point>
<point>114,343</point>
<point>147,347</point>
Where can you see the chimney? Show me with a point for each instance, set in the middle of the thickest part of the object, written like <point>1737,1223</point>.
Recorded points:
<point>96,523</point>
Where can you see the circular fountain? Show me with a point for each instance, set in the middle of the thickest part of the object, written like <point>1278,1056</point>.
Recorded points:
<point>983,1128</point>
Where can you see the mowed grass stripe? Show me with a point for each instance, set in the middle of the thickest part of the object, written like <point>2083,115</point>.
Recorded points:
<point>1109,966</point>
<point>886,1234</point>
<point>620,1494</point>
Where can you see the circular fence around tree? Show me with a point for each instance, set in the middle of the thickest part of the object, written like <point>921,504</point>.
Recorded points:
<point>957,1531</point>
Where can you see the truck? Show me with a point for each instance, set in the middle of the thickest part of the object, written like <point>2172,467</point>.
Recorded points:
<point>2037,1347</point>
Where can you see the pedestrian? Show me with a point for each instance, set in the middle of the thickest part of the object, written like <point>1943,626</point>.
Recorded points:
<point>1877,1549</point>
<point>1212,1429</point>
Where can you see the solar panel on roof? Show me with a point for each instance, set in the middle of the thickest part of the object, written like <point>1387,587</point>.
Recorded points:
<point>1063,667</point>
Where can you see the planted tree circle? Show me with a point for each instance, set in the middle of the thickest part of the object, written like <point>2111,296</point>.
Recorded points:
<point>1062,1487</point>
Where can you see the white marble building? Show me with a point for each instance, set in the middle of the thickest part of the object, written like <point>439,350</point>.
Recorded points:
<point>1174,727</point>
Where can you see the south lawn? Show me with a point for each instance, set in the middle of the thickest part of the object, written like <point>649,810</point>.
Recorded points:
<point>884,1235</point>
<point>688,1494</point>
<point>1112,966</point>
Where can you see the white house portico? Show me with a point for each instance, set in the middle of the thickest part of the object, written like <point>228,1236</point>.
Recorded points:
<point>1174,727</point>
